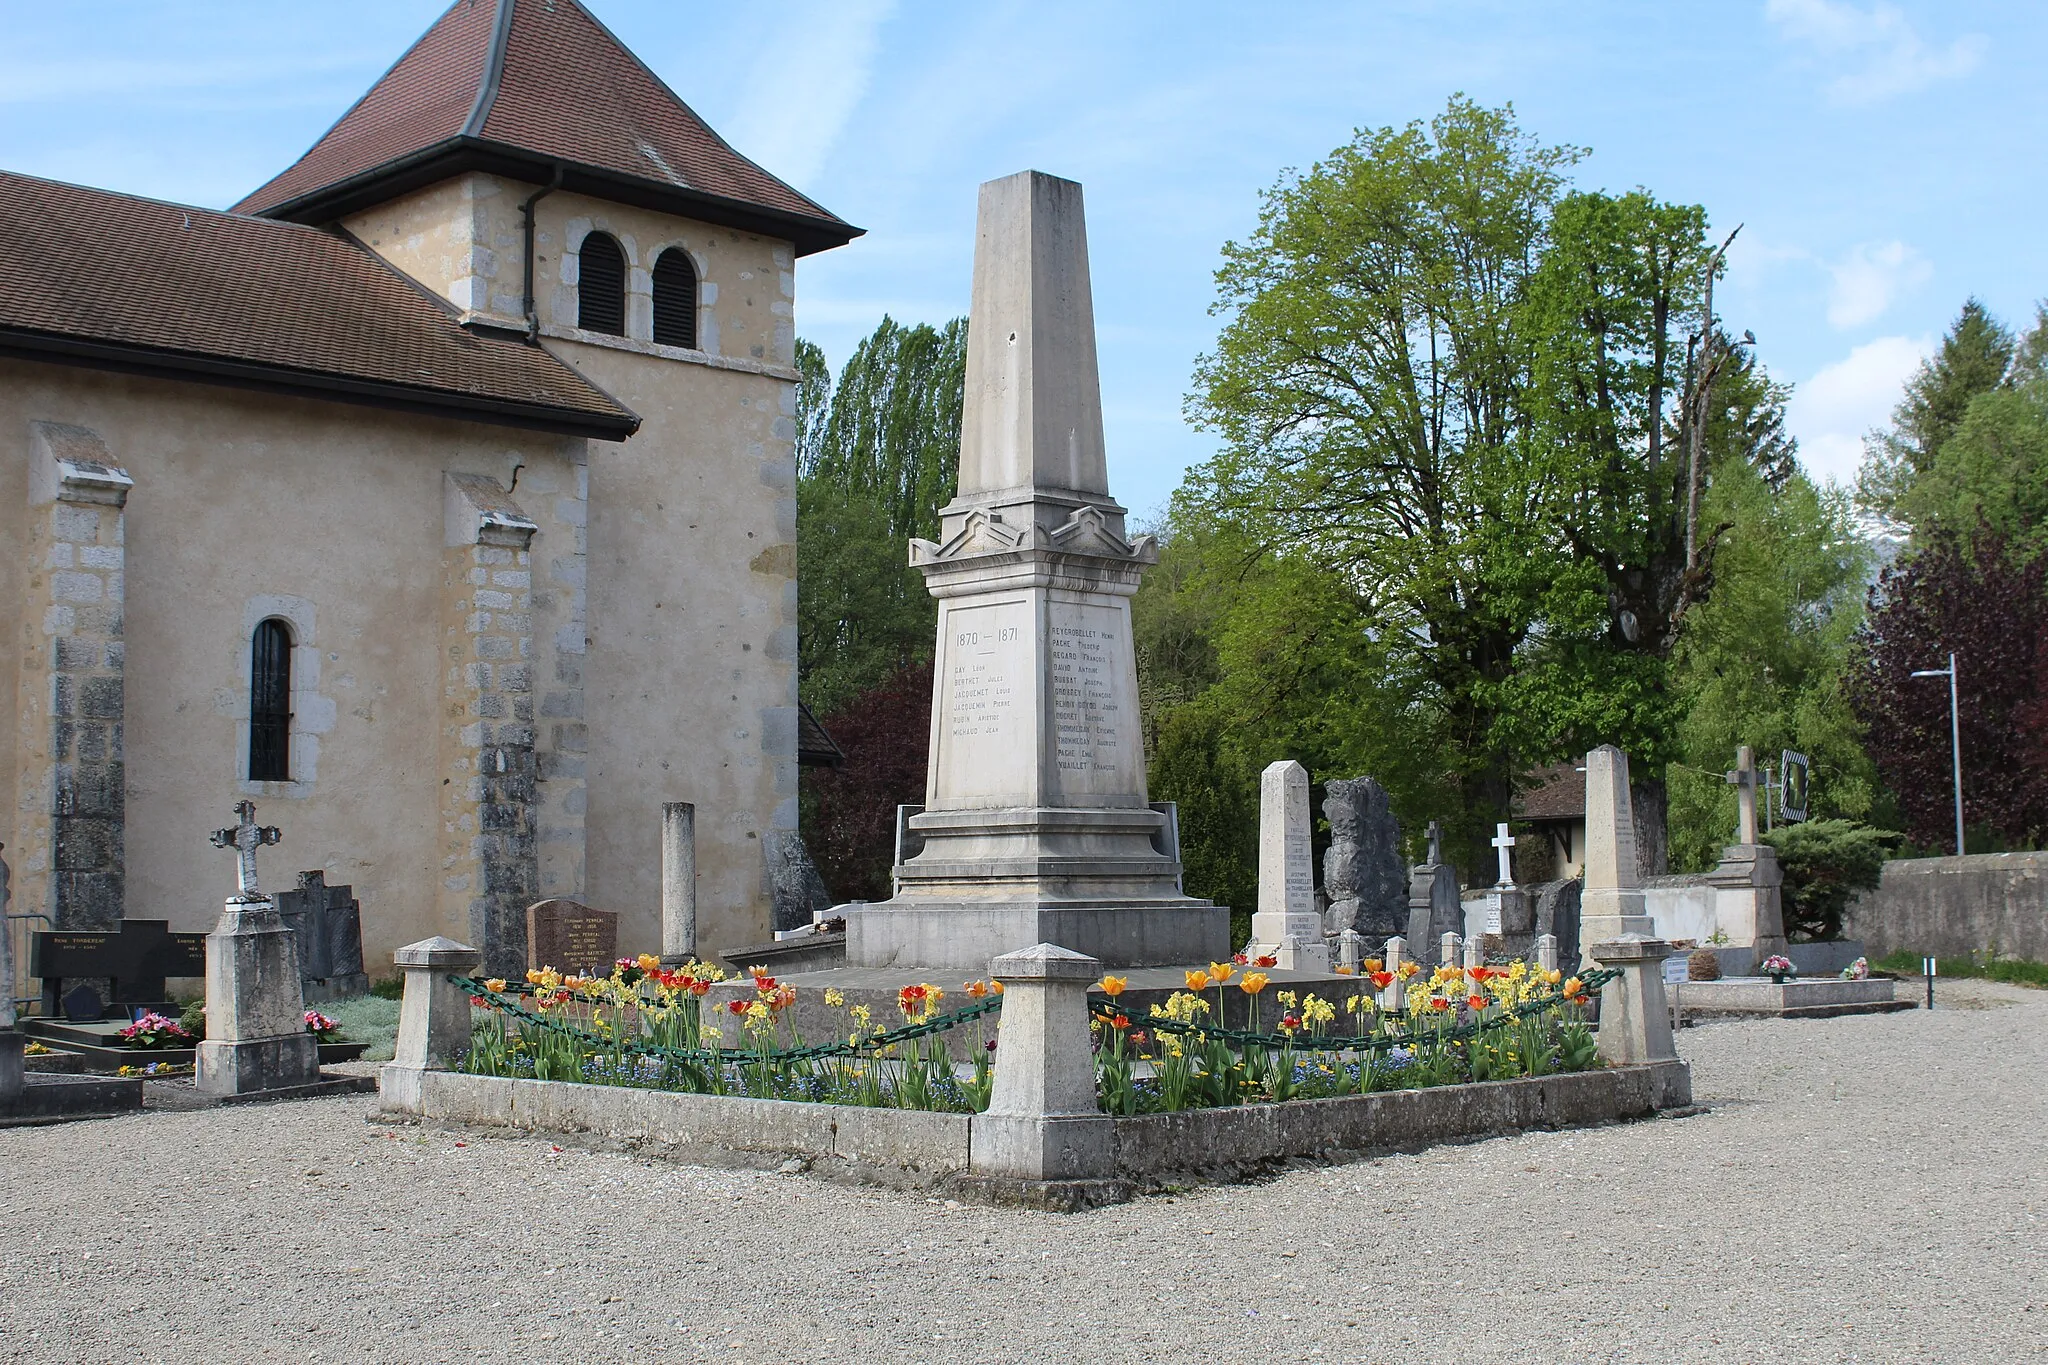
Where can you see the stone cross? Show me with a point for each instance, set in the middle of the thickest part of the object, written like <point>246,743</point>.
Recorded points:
<point>1436,843</point>
<point>245,838</point>
<point>1743,779</point>
<point>1504,841</point>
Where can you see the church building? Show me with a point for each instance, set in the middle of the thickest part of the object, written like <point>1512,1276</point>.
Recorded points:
<point>439,498</point>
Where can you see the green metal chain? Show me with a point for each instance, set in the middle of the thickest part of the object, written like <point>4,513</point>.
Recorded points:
<point>504,1003</point>
<point>1304,1042</point>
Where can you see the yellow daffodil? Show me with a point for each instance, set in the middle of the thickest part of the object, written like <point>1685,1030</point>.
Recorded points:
<point>834,997</point>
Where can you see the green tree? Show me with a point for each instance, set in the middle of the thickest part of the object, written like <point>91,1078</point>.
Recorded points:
<point>877,456</point>
<point>1973,359</point>
<point>1370,386</point>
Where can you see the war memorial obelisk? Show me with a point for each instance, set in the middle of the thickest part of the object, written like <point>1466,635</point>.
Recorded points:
<point>1036,826</point>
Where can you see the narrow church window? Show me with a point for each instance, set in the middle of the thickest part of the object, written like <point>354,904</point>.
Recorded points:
<point>601,287</point>
<point>270,703</point>
<point>675,299</point>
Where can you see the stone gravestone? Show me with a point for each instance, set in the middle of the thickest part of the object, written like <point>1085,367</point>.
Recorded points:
<point>1286,925</point>
<point>256,1035</point>
<point>1612,903</point>
<point>136,958</point>
<point>1435,905</point>
<point>1557,914</point>
<point>571,938</point>
<point>1748,883</point>
<point>1363,873</point>
<point>327,923</point>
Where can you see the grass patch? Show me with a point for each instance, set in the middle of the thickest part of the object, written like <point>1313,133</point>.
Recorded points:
<point>366,1019</point>
<point>2013,971</point>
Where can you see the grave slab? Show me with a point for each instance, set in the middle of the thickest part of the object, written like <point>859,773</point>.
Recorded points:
<point>571,937</point>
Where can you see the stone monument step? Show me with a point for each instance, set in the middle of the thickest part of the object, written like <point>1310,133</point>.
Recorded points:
<point>1759,997</point>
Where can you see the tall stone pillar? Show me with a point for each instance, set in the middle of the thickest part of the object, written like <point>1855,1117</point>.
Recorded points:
<point>70,703</point>
<point>1611,906</point>
<point>490,870</point>
<point>1036,826</point>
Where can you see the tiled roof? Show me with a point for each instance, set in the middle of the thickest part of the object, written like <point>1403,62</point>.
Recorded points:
<point>814,747</point>
<point>108,278</point>
<point>1557,792</point>
<point>527,88</point>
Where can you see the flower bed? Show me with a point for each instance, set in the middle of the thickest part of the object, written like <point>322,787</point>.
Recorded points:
<point>650,1027</point>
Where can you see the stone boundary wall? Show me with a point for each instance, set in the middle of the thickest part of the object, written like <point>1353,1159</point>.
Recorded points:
<point>1955,906</point>
<point>910,1146</point>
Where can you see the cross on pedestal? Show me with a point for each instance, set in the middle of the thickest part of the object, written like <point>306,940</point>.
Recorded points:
<point>1436,843</point>
<point>245,838</point>
<point>1504,841</point>
<point>1743,779</point>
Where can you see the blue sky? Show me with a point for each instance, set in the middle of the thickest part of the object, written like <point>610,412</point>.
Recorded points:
<point>1884,157</point>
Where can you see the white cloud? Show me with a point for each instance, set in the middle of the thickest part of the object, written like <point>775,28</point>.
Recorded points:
<point>1870,278</point>
<point>809,81</point>
<point>1876,51</point>
<point>1830,412</point>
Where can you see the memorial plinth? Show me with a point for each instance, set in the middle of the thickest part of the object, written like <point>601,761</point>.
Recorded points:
<point>1036,826</point>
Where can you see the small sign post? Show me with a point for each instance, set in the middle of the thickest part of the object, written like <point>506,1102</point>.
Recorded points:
<point>1929,965</point>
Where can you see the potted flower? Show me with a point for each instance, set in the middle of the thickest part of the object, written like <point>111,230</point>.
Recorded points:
<point>152,1031</point>
<point>322,1028</point>
<point>1859,970</point>
<point>1778,969</point>
<point>327,1035</point>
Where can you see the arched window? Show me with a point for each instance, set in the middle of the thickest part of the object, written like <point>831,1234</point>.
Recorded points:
<point>675,299</point>
<point>270,703</point>
<point>601,286</point>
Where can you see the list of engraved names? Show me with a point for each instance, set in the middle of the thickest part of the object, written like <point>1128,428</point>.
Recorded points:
<point>1086,712</point>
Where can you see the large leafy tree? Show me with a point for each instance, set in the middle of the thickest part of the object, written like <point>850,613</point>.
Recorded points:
<point>1978,601</point>
<point>1370,386</point>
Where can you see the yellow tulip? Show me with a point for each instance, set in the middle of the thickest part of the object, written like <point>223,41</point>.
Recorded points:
<point>1253,983</point>
<point>1198,981</point>
<point>1112,986</point>
<point>1220,972</point>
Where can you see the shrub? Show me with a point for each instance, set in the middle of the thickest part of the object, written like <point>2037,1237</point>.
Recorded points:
<point>1826,862</point>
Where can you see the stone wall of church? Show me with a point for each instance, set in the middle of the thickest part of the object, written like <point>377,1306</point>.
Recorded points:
<point>328,516</point>
<point>688,654</point>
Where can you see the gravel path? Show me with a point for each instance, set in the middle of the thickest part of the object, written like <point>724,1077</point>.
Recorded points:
<point>1865,1189</point>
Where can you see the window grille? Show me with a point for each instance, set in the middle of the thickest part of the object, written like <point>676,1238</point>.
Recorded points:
<point>270,703</point>
<point>675,299</point>
<point>601,286</point>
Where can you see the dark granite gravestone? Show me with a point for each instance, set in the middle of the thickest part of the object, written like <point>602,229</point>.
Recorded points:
<point>793,878</point>
<point>572,938</point>
<point>1364,874</point>
<point>135,958</point>
<point>1557,914</point>
<point>327,924</point>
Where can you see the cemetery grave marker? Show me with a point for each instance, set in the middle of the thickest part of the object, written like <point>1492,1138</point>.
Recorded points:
<point>571,938</point>
<point>135,958</point>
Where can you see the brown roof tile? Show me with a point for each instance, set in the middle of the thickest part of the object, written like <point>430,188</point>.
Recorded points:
<point>1557,792</point>
<point>109,278</point>
<point>814,747</point>
<point>523,87</point>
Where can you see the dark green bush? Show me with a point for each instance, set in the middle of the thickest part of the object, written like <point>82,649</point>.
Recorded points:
<point>1826,862</point>
<point>390,988</point>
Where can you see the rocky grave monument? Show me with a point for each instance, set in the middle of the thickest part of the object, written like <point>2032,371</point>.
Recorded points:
<point>256,1035</point>
<point>1036,826</point>
<point>1363,873</point>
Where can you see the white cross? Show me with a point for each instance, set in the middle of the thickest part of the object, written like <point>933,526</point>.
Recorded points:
<point>1504,841</point>
<point>245,838</point>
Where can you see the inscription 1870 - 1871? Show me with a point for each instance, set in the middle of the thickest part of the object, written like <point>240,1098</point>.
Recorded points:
<point>982,689</point>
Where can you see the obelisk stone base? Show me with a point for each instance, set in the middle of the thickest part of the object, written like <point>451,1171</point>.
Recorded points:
<point>965,935</point>
<point>256,1035</point>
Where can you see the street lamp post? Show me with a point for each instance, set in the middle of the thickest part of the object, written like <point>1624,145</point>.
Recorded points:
<point>1955,738</point>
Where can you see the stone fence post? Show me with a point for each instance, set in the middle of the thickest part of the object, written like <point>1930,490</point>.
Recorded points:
<point>433,1018</point>
<point>1635,1018</point>
<point>1044,1123</point>
<point>1397,953</point>
<point>1546,952</point>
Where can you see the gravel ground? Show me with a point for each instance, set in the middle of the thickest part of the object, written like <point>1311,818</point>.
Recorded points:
<point>1862,1189</point>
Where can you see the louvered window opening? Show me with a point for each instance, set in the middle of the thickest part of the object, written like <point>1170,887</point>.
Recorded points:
<point>601,286</point>
<point>270,703</point>
<point>675,299</point>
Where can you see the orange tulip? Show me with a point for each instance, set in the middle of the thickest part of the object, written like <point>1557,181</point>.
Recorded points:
<point>1253,983</point>
<point>1220,972</point>
<point>1198,981</point>
<point>1112,986</point>
<point>1475,1003</point>
<point>1267,962</point>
